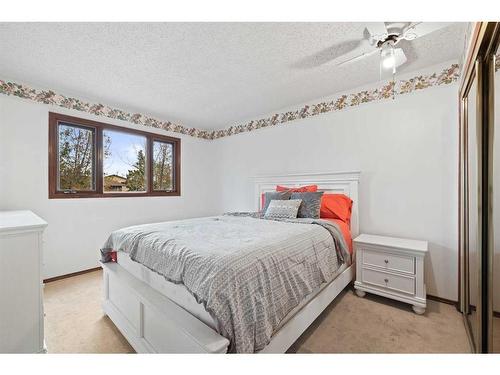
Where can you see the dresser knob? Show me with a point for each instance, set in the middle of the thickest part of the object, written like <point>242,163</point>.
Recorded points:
<point>386,280</point>
<point>386,261</point>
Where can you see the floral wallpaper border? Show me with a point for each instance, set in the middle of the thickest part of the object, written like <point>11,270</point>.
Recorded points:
<point>446,76</point>
<point>52,98</point>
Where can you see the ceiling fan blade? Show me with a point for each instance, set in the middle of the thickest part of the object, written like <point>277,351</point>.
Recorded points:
<point>326,55</point>
<point>419,29</point>
<point>399,57</point>
<point>378,30</point>
<point>363,49</point>
<point>357,58</point>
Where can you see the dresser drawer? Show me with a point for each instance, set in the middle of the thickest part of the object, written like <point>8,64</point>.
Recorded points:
<point>398,283</point>
<point>390,262</point>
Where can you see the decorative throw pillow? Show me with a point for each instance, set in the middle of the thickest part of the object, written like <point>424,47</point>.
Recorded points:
<point>272,195</point>
<point>311,204</point>
<point>282,209</point>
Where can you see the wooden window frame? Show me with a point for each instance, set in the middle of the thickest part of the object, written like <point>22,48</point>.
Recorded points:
<point>98,192</point>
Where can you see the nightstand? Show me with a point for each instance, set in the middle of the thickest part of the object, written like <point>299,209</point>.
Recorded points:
<point>391,267</point>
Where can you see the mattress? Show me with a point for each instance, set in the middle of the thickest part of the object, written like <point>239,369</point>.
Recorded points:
<point>181,296</point>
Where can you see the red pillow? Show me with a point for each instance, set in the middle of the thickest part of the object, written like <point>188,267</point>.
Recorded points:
<point>302,189</point>
<point>336,206</point>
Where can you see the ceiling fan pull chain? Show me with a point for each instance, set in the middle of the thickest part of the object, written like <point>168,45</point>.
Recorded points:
<point>380,66</point>
<point>394,84</point>
<point>393,75</point>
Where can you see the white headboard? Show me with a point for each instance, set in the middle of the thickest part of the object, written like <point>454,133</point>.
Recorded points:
<point>330,182</point>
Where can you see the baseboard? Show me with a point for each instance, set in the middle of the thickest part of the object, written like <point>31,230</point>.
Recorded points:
<point>442,300</point>
<point>496,314</point>
<point>50,279</point>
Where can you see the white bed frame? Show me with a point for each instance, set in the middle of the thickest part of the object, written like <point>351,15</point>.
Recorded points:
<point>152,323</point>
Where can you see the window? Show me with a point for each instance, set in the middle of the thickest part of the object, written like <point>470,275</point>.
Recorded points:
<point>163,172</point>
<point>76,158</point>
<point>92,159</point>
<point>124,161</point>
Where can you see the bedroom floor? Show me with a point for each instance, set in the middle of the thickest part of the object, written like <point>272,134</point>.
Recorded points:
<point>75,323</point>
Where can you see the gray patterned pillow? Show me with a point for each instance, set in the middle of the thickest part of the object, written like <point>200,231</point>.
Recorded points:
<point>282,209</point>
<point>311,204</point>
<point>275,195</point>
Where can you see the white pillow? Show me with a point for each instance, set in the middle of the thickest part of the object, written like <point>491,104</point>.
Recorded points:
<point>283,209</point>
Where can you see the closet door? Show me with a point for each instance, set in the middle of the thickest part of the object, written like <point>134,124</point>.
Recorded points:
<point>494,259</point>
<point>473,210</point>
<point>479,224</point>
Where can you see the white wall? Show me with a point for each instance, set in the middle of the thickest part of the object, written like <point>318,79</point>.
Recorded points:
<point>406,150</point>
<point>78,227</point>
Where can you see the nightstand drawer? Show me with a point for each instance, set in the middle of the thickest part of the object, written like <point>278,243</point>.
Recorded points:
<point>395,282</point>
<point>390,262</point>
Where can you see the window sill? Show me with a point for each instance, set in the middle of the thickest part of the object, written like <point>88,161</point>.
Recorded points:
<point>114,195</point>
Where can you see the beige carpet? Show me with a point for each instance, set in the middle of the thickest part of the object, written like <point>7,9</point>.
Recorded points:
<point>74,321</point>
<point>75,324</point>
<point>496,335</point>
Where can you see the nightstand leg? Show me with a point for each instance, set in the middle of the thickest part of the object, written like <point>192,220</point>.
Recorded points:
<point>360,293</point>
<point>419,310</point>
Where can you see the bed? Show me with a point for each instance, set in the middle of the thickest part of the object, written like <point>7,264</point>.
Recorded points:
<point>157,315</point>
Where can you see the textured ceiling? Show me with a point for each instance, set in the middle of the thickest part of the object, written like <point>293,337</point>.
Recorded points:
<point>203,75</point>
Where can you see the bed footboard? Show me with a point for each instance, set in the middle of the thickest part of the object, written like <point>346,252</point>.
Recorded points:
<point>151,322</point>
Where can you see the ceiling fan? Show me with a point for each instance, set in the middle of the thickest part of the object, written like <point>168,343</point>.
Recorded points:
<point>384,40</point>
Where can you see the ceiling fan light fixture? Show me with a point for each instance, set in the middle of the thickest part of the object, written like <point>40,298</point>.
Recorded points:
<point>387,57</point>
<point>388,62</point>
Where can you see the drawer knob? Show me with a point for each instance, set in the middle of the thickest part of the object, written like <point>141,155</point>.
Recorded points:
<point>386,280</point>
<point>386,261</point>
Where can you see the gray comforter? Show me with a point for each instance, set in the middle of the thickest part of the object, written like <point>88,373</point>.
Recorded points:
<point>249,273</point>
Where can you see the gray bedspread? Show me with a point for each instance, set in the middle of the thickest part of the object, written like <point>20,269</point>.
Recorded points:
<point>249,273</point>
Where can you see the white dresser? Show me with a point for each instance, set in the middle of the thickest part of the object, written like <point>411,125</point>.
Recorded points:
<point>21,303</point>
<point>391,267</point>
